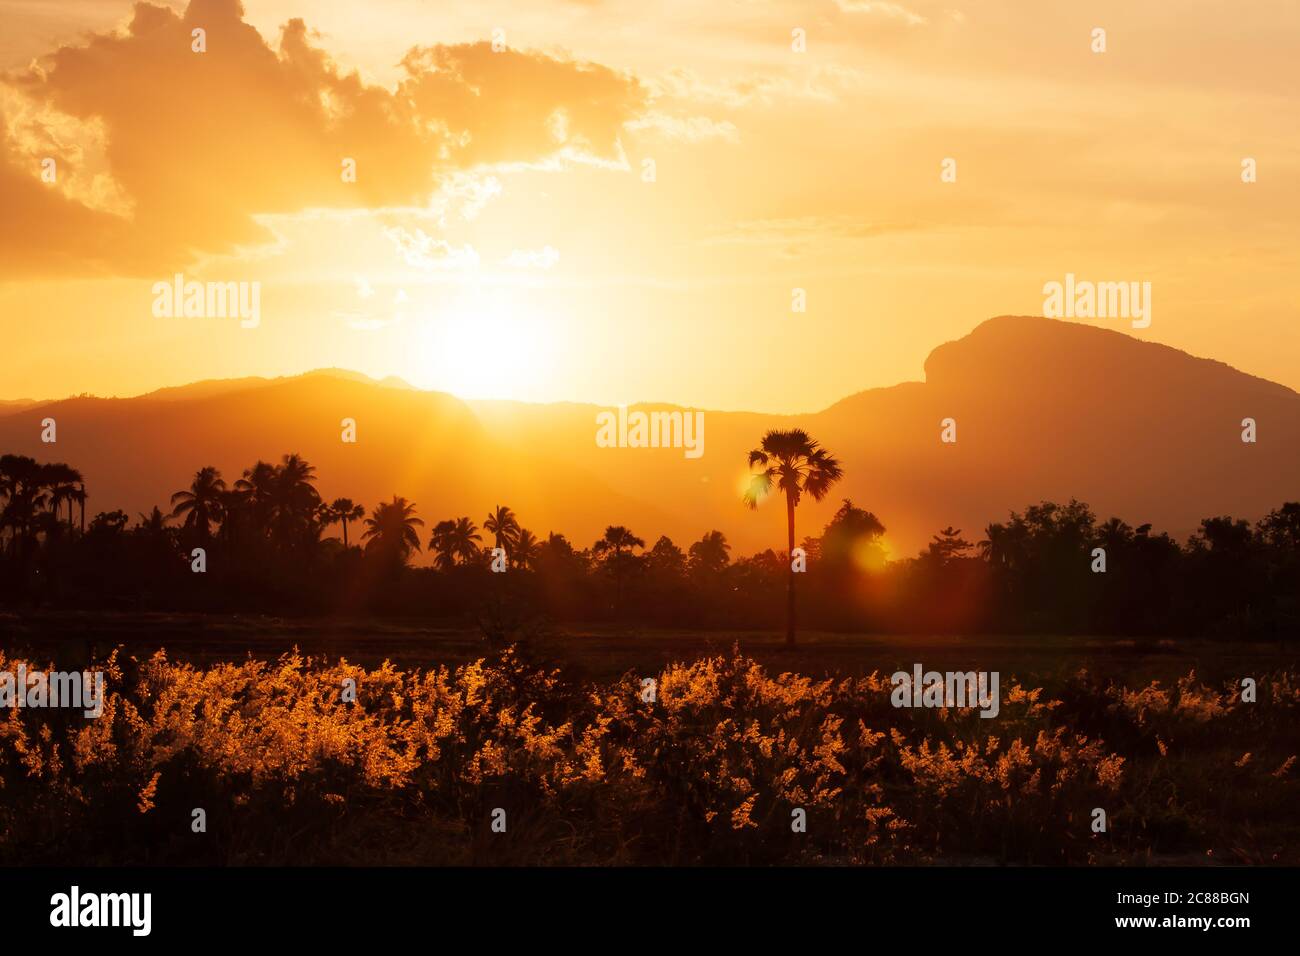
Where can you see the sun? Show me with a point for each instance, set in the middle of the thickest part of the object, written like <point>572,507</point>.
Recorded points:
<point>486,343</point>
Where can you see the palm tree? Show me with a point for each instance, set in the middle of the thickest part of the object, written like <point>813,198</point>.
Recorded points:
<point>708,556</point>
<point>20,486</point>
<point>798,466</point>
<point>442,545</point>
<point>295,498</point>
<point>1006,545</point>
<point>154,523</point>
<point>526,549</point>
<point>81,502</point>
<point>202,503</point>
<point>615,541</point>
<point>610,547</point>
<point>257,489</point>
<point>343,511</point>
<point>59,493</point>
<point>455,542</point>
<point>62,481</point>
<point>464,538</point>
<point>503,526</point>
<point>391,529</point>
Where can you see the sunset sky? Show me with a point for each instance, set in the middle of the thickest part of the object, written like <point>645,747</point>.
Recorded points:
<point>501,239</point>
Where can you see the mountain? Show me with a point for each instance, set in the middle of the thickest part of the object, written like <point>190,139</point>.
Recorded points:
<point>1043,409</point>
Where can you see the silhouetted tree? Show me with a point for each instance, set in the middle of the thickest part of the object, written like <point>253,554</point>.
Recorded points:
<point>797,466</point>
<point>342,510</point>
<point>708,556</point>
<point>503,526</point>
<point>614,549</point>
<point>455,542</point>
<point>525,549</point>
<point>202,504</point>
<point>390,531</point>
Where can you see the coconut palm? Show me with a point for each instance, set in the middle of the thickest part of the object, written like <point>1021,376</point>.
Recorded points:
<point>154,523</point>
<point>455,541</point>
<point>257,491</point>
<point>202,504</point>
<point>295,498</point>
<point>390,529</point>
<point>503,526</point>
<point>797,465</point>
<point>464,541</point>
<point>442,545</point>
<point>525,549</point>
<point>250,504</point>
<point>1005,545</point>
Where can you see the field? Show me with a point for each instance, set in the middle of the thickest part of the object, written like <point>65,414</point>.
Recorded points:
<point>246,719</point>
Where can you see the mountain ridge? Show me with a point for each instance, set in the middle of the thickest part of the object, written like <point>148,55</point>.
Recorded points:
<point>1043,409</point>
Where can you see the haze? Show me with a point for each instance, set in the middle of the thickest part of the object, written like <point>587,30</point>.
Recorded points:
<point>501,239</point>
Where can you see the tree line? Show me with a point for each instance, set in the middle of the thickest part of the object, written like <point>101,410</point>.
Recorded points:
<point>264,537</point>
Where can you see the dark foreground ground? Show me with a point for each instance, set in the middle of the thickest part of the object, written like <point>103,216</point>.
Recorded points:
<point>603,652</point>
<point>549,752</point>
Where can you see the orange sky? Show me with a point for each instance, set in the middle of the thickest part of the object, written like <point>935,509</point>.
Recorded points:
<point>501,239</point>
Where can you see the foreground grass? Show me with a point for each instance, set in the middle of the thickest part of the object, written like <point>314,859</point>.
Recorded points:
<point>588,771</point>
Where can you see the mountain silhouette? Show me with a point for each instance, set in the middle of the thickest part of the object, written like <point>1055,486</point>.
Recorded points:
<point>1044,409</point>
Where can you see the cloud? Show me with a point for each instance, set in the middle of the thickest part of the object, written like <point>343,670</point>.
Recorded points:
<point>825,82</point>
<point>803,229</point>
<point>688,129</point>
<point>167,154</point>
<point>894,11</point>
<point>543,258</point>
<point>430,254</point>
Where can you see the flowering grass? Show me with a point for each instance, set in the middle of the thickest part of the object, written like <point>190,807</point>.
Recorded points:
<point>288,772</point>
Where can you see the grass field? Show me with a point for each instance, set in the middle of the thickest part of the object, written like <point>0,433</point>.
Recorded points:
<point>740,738</point>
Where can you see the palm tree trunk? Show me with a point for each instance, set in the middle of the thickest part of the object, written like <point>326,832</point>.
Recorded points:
<point>345,533</point>
<point>789,590</point>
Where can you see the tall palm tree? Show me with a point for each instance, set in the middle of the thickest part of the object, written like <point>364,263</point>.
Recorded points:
<point>391,529</point>
<point>202,504</point>
<point>81,502</point>
<point>342,510</point>
<point>610,547</point>
<point>798,466</point>
<point>503,526</point>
